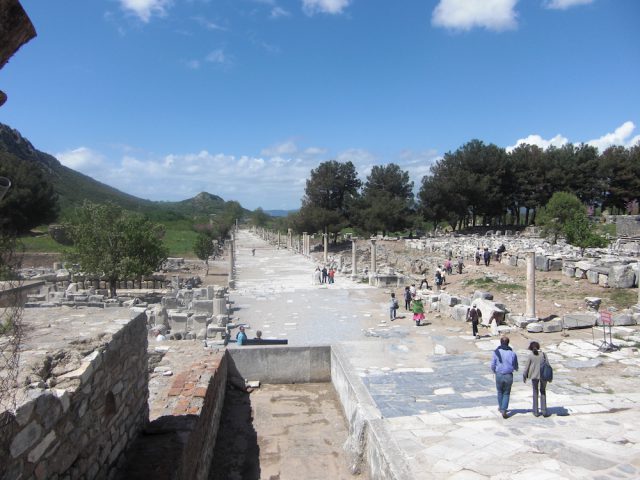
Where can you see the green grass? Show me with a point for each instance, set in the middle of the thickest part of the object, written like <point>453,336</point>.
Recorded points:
<point>41,244</point>
<point>623,297</point>
<point>179,238</point>
<point>490,283</point>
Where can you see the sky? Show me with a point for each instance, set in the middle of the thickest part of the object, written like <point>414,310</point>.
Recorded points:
<point>164,99</point>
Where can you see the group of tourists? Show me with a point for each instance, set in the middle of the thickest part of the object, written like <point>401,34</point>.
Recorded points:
<point>485,255</point>
<point>412,302</point>
<point>324,276</point>
<point>504,363</point>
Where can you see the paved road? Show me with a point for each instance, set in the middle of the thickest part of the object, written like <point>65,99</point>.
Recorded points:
<point>433,386</point>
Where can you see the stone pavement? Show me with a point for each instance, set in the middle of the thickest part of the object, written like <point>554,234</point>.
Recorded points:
<point>433,387</point>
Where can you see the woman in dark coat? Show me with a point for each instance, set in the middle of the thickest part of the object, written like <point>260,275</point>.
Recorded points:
<point>532,370</point>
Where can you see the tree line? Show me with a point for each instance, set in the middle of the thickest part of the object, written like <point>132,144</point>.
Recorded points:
<point>477,184</point>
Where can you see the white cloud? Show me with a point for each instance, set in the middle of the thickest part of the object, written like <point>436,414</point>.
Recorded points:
<point>333,7</point>
<point>208,24</point>
<point>82,159</point>
<point>145,9</point>
<point>284,148</point>
<point>217,56</point>
<point>418,164</point>
<point>495,15</point>
<point>620,136</point>
<point>277,12</point>
<point>565,4</point>
<point>535,139</point>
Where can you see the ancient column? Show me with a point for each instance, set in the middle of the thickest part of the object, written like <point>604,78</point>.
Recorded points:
<point>231,261</point>
<point>374,266</point>
<point>354,258</point>
<point>304,244</point>
<point>289,239</point>
<point>531,285</point>
<point>278,239</point>
<point>325,238</point>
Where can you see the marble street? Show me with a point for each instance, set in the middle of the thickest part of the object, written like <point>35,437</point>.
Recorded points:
<point>433,387</point>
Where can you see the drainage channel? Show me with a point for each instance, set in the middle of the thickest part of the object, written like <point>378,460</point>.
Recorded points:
<point>279,432</point>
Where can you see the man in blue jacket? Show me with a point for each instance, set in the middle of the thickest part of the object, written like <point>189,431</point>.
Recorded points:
<point>503,364</point>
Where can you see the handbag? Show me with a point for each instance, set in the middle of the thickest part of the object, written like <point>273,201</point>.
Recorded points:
<point>546,372</point>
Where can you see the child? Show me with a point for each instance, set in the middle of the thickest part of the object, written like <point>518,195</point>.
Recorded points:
<point>407,298</point>
<point>393,307</point>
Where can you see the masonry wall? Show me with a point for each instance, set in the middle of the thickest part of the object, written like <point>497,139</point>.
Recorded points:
<point>198,452</point>
<point>80,432</point>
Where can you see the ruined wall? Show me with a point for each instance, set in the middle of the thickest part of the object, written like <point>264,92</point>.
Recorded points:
<point>627,225</point>
<point>198,452</point>
<point>80,430</point>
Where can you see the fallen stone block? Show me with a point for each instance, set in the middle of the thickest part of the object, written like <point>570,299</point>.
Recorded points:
<point>555,265</point>
<point>535,327</point>
<point>482,295</point>
<point>622,276</point>
<point>569,271</point>
<point>542,263</point>
<point>624,319</point>
<point>551,326</point>
<point>459,312</point>
<point>522,321</point>
<point>573,321</point>
<point>603,280</point>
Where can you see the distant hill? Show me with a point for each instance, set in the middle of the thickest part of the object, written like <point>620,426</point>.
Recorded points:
<point>73,188</point>
<point>279,213</point>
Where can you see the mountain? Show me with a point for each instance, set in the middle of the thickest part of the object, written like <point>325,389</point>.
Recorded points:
<point>73,188</point>
<point>279,213</point>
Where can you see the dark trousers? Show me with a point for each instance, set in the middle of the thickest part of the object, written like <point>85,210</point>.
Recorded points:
<point>474,326</point>
<point>540,385</point>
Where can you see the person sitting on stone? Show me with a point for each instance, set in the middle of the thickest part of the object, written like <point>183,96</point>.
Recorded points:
<point>241,337</point>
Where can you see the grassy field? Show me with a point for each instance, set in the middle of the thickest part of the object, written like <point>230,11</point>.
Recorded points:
<point>179,238</point>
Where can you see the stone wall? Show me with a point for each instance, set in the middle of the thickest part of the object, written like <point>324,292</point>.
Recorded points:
<point>627,225</point>
<point>79,429</point>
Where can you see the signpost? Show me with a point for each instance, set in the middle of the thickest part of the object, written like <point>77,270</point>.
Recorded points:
<point>606,320</point>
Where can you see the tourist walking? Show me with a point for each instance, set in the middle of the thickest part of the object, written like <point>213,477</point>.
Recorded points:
<point>439,280</point>
<point>317,276</point>
<point>448,267</point>
<point>487,256</point>
<point>332,274</point>
<point>474,315</point>
<point>324,275</point>
<point>412,289</point>
<point>424,281</point>
<point>393,307</point>
<point>460,265</point>
<point>503,363</point>
<point>418,310</point>
<point>478,255</point>
<point>407,298</point>
<point>533,371</point>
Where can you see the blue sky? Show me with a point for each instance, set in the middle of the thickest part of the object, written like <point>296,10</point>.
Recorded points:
<point>164,99</point>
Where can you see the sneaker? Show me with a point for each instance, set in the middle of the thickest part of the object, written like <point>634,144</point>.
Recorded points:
<point>504,414</point>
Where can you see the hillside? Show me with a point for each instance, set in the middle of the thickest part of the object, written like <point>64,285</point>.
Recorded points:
<point>73,187</point>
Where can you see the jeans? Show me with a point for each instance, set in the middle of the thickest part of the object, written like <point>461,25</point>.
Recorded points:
<point>392,313</point>
<point>503,386</point>
<point>542,385</point>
